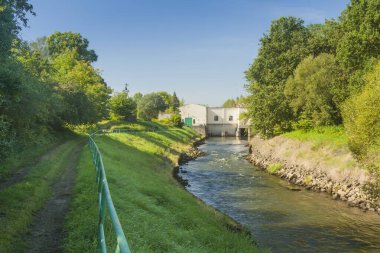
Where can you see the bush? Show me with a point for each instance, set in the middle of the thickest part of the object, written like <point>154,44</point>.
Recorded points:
<point>149,106</point>
<point>274,168</point>
<point>311,92</point>
<point>173,121</point>
<point>122,106</point>
<point>361,115</point>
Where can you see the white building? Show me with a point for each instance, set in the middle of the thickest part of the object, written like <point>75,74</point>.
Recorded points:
<point>214,121</point>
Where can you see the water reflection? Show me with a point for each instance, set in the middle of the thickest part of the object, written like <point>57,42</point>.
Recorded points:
<point>280,219</point>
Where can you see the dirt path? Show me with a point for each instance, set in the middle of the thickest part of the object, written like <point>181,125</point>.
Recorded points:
<point>46,232</point>
<point>21,173</point>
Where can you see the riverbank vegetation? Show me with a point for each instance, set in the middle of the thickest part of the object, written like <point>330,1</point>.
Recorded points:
<point>49,87</point>
<point>156,212</point>
<point>310,76</point>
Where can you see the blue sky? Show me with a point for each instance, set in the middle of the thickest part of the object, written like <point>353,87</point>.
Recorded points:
<point>198,48</point>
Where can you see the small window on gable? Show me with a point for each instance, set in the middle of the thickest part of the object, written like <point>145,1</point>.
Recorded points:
<point>216,118</point>
<point>193,121</point>
<point>230,118</point>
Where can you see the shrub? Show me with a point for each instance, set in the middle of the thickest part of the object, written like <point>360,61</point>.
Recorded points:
<point>361,115</point>
<point>173,121</point>
<point>274,167</point>
<point>122,106</point>
<point>149,106</point>
<point>311,92</point>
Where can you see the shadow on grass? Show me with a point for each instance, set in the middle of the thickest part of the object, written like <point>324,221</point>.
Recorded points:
<point>155,212</point>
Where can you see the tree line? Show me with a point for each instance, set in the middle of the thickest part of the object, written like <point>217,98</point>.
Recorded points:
<point>306,76</point>
<point>50,83</point>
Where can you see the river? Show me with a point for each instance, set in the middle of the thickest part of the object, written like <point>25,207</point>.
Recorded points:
<point>279,219</point>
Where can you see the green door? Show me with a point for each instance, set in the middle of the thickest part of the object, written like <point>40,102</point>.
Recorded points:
<point>188,121</point>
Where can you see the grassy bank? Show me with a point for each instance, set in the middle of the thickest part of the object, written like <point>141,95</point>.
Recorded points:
<point>157,214</point>
<point>334,137</point>
<point>21,200</point>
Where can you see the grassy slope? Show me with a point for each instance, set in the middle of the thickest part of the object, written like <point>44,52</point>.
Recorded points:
<point>334,135</point>
<point>157,214</point>
<point>336,138</point>
<point>20,201</point>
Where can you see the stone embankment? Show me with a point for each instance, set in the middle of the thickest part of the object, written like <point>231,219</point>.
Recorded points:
<point>319,168</point>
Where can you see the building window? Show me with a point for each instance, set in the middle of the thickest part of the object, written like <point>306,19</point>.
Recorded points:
<point>193,121</point>
<point>230,118</point>
<point>216,118</point>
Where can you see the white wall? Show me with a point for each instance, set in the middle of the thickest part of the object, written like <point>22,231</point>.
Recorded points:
<point>196,112</point>
<point>223,115</point>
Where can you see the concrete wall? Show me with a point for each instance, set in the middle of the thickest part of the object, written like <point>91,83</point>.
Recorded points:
<point>196,112</point>
<point>221,130</point>
<point>226,116</point>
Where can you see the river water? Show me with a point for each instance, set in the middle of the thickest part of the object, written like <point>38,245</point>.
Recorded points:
<point>280,219</point>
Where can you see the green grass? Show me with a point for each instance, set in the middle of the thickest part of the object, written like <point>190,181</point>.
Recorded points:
<point>29,155</point>
<point>20,201</point>
<point>332,135</point>
<point>157,214</point>
<point>274,167</point>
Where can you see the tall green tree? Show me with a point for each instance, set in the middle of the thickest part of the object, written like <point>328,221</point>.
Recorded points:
<point>167,98</point>
<point>137,97</point>
<point>360,23</point>
<point>324,38</point>
<point>150,105</point>
<point>13,16</point>
<point>78,79</point>
<point>361,114</point>
<point>280,52</point>
<point>311,91</point>
<point>174,103</point>
<point>60,42</point>
<point>122,106</point>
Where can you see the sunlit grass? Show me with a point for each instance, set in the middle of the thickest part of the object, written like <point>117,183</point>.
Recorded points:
<point>333,135</point>
<point>157,214</point>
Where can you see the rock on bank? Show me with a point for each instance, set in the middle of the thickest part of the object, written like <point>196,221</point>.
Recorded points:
<point>319,168</point>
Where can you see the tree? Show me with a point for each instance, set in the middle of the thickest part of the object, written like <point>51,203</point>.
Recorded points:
<point>229,103</point>
<point>361,114</point>
<point>13,16</point>
<point>40,46</point>
<point>122,106</point>
<point>324,38</point>
<point>311,91</point>
<point>266,106</point>
<point>239,101</point>
<point>137,97</point>
<point>360,23</point>
<point>78,78</point>
<point>280,52</point>
<point>32,60</point>
<point>150,105</point>
<point>59,42</point>
<point>175,103</point>
<point>167,99</point>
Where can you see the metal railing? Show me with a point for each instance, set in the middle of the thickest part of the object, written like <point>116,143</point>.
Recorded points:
<point>105,201</point>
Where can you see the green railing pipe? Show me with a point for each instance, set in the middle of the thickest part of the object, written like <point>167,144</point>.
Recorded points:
<point>105,202</point>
